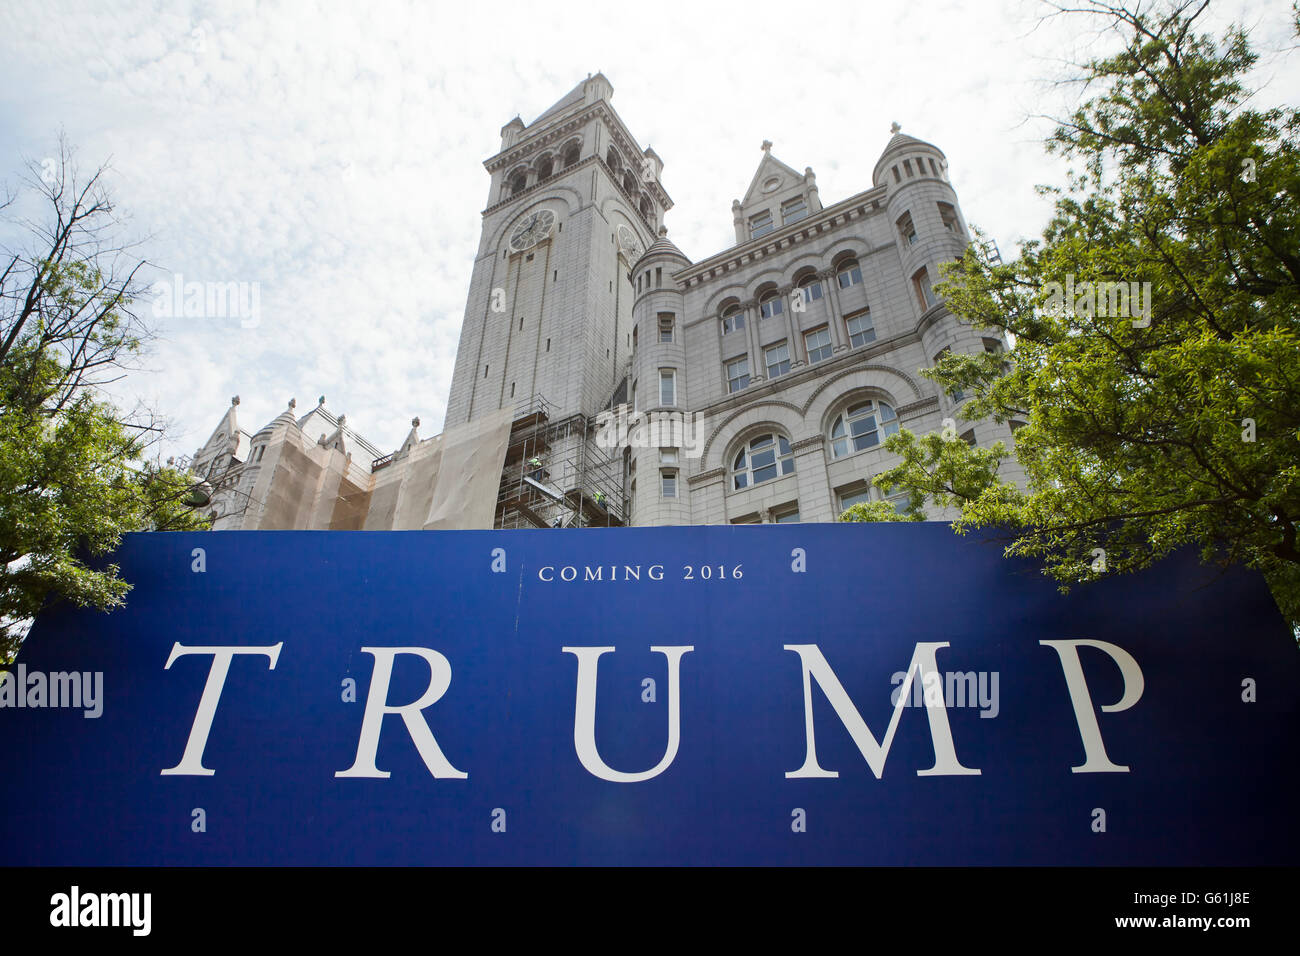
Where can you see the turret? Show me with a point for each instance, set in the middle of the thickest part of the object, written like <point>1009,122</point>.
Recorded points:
<point>661,390</point>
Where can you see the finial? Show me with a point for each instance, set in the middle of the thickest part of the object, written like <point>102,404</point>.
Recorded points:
<point>321,400</point>
<point>343,420</point>
<point>293,403</point>
<point>663,230</point>
<point>234,401</point>
<point>415,422</point>
<point>767,146</point>
<point>735,204</point>
<point>894,128</point>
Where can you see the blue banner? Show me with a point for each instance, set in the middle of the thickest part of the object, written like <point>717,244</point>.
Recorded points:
<point>803,694</point>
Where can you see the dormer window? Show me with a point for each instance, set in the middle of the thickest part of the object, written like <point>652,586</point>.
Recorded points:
<point>761,224</point>
<point>792,210</point>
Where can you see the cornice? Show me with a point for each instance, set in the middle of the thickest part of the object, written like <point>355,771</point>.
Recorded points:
<point>860,206</point>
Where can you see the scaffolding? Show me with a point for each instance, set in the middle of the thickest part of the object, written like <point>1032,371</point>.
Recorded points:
<point>556,476</point>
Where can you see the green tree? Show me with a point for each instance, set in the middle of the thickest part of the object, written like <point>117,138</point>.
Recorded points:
<point>73,470</point>
<point>1146,430</point>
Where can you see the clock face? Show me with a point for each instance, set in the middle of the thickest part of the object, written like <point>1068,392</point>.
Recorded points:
<point>532,229</point>
<point>629,243</point>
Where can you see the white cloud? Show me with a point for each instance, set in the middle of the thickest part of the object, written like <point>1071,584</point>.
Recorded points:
<point>333,152</point>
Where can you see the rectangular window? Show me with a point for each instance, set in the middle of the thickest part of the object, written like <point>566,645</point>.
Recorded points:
<point>668,456</point>
<point>792,210</point>
<point>733,321</point>
<point>668,483</point>
<point>818,344</point>
<point>949,216</point>
<point>854,496</point>
<point>906,229</point>
<point>746,519</point>
<point>777,358</point>
<point>924,292</point>
<point>907,167</point>
<point>861,329</point>
<point>811,289</point>
<point>634,396</point>
<point>788,514</point>
<point>665,326</point>
<point>761,224</point>
<point>667,386</point>
<point>738,374</point>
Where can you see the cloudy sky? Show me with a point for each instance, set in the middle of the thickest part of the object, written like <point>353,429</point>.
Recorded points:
<point>332,152</point>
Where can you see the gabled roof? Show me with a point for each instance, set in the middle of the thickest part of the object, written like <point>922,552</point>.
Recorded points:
<point>768,167</point>
<point>226,432</point>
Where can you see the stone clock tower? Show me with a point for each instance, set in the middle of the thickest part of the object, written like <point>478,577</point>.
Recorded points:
<point>574,202</point>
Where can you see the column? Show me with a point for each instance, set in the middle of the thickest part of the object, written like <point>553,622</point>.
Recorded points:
<point>798,357</point>
<point>756,366</point>
<point>832,287</point>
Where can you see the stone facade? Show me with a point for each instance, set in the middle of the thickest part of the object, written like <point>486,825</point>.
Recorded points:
<point>814,312</point>
<point>774,369</point>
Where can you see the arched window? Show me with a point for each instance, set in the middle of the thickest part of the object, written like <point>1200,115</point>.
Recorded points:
<point>545,167</point>
<point>848,272</point>
<point>770,304</point>
<point>571,154</point>
<point>629,183</point>
<point>810,286</point>
<point>862,426</point>
<point>733,318</point>
<point>645,206</point>
<point>612,160</point>
<point>518,180</point>
<point>762,459</point>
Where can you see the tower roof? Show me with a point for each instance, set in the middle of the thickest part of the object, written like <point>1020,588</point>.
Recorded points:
<point>568,99</point>
<point>663,246</point>
<point>898,143</point>
<point>575,96</point>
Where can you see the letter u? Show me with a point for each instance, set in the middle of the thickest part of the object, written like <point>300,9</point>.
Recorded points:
<point>584,714</point>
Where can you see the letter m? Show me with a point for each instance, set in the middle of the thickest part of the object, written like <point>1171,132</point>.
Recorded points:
<point>875,752</point>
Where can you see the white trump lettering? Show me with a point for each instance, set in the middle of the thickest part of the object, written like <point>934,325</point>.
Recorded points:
<point>923,664</point>
<point>584,714</point>
<point>1094,750</point>
<point>191,764</point>
<point>377,707</point>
